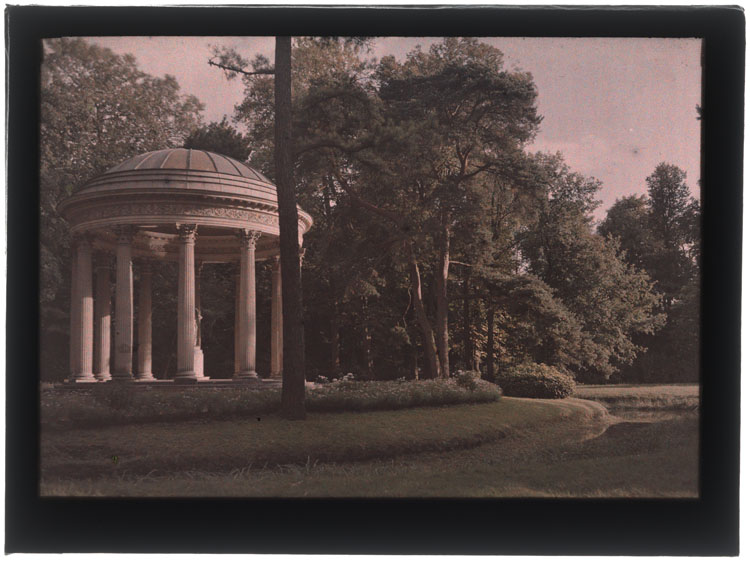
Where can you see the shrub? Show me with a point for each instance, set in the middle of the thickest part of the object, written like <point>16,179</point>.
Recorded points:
<point>347,395</point>
<point>535,380</point>
<point>467,379</point>
<point>124,404</point>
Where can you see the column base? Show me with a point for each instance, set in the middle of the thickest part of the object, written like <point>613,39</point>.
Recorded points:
<point>103,376</point>
<point>145,377</point>
<point>82,378</point>
<point>249,375</point>
<point>121,377</point>
<point>186,377</point>
<point>275,376</point>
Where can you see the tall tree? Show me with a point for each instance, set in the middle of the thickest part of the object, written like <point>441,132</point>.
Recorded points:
<point>437,128</point>
<point>628,221</point>
<point>669,212</point>
<point>660,233</point>
<point>293,388</point>
<point>611,299</point>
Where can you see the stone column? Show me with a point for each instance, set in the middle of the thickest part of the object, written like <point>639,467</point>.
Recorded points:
<point>103,321</point>
<point>248,239</point>
<point>186,305</point>
<point>237,323</point>
<point>198,315</point>
<point>84,358</point>
<point>123,367</point>
<point>144,325</point>
<point>75,311</point>
<point>277,328</point>
<point>198,360</point>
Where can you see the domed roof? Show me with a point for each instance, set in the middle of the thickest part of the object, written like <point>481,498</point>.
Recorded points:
<point>157,190</point>
<point>184,170</point>
<point>189,159</point>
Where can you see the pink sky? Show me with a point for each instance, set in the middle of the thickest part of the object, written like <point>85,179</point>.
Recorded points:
<point>614,107</point>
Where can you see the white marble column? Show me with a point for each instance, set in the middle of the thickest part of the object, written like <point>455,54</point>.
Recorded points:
<point>237,323</point>
<point>103,322</point>
<point>248,239</point>
<point>198,360</point>
<point>84,359</point>
<point>75,311</point>
<point>123,364</point>
<point>144,324</point>
<point>277,327</point>
<point>186,305</point>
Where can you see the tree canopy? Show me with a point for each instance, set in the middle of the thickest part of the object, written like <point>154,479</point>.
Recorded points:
<point>440,241</point>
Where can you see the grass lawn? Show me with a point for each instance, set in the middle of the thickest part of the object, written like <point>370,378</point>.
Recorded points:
<point>245,446</point>
<point>652,401</point>
<point>548,460</point>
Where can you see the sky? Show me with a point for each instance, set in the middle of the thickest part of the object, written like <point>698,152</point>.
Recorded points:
<point>615,107</point>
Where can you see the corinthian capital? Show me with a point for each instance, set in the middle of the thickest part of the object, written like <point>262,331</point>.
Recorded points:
<point>187,232</point>
<point>248,238</point>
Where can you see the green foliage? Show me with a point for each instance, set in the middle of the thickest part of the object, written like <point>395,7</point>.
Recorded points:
<point>220,138</point>
<point>612,301</point>
<point>535,380</point>
<point>661,234</point>
<point>468,379</point>
<point>628,221</point>
<point>535,325</point>
<point>399,394</point>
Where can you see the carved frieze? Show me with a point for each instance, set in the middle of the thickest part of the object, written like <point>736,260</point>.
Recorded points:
<point>171,209</point>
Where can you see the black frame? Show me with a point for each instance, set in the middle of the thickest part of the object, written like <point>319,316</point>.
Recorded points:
<point>706,526</point>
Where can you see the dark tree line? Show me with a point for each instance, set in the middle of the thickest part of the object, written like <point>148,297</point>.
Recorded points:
<point>440,242</point>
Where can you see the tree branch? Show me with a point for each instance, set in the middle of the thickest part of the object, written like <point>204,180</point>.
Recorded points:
<point>392,216</point>
<point>240,70</point>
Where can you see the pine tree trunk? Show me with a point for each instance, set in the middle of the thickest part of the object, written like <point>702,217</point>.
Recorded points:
<point>490,375</point>
<point>441,301</point>
<point>468,346</point>
<point>293,377</point>
<point>428,337</point>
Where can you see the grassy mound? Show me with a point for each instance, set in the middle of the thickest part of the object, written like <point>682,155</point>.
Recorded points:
<point>109,404</point>
<point>222,446</point>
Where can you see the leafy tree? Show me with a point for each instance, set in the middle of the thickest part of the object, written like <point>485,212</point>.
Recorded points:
<point>670,211</point>
<point>221,138</point>
<point>661,234</point>
<point>628,221</point>
<point>97,109</point>
<point>612,301</point>
<point>436,127</point>
<point>535,326</point>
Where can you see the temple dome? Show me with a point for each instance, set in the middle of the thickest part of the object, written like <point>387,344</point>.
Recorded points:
<point>189,159</point>
<point>157,191</point>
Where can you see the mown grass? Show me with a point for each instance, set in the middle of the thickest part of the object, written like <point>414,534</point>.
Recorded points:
<point>656,397</point>
<point>109,404</point>
<point>550,459</point>
<point>221,446</point>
